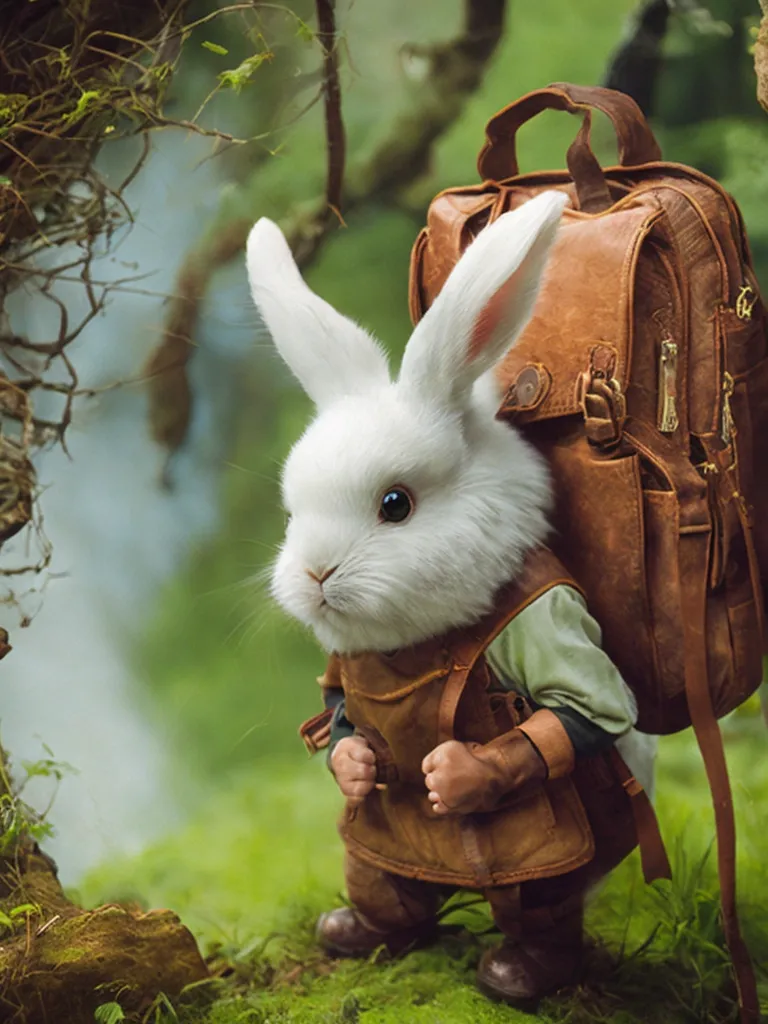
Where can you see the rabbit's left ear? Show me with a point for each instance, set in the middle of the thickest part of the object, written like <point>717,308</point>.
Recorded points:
<point>328,353</point>
<point>484,304</point>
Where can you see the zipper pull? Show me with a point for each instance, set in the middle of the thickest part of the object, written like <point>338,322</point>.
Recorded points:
<point>745,302</point>
<point>667,417</point>
<point>727,426</point>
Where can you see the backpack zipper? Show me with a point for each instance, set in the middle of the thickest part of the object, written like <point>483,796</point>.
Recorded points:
<point>667,417</point>
<point>745,302</point>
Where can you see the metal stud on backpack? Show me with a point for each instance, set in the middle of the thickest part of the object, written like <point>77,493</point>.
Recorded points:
<point>643,376</point>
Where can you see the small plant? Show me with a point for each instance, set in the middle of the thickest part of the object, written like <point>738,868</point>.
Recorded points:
<point>108,1013</point>
<point>19,821</point>
<point>11,919</point>
<point>160,1011</point>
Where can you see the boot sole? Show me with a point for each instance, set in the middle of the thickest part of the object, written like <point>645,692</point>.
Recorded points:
<point>526,1004</point>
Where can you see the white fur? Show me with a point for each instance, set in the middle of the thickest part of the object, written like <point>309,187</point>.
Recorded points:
<point>329,354</point>
<point>482,494</point>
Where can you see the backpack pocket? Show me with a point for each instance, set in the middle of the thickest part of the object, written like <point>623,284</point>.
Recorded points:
<point>743,340</point>
<point>661,538</point>
<point>600,507</point>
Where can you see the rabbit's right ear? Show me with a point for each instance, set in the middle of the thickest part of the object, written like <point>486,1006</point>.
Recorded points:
<point>328,353</point>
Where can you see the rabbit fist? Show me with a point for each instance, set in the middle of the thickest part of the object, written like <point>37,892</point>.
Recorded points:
<point>354,765</point>
<point>462,778</point>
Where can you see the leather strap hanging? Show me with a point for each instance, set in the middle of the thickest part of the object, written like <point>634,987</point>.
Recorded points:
<point>653,853</point>
<point>709,738</point>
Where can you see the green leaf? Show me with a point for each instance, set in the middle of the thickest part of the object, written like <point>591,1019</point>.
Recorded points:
<point>215,48</point>
<point>237,78</point>
<point>305,31</point>
<point>5,921</point>
<point>108,1013</point>
<point>47,767</point>
<point>88,100</point>
<point>39,830</point>
<point>25,908</point>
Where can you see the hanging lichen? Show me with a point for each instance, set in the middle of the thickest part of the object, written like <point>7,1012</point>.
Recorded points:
<point>761,57</point>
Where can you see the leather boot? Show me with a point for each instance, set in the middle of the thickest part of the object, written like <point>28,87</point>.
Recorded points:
<point>548,956</point>
<point>346,932</point>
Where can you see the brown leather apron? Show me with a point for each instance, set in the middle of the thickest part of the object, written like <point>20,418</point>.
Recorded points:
<point>408,702</point>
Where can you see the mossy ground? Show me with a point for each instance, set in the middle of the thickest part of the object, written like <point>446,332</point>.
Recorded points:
<point>258,863</point>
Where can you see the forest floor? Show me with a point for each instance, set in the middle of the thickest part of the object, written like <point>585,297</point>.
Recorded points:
<point>253,870</point>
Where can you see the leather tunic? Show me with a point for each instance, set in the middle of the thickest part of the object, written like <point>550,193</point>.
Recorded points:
<point>408,702</point>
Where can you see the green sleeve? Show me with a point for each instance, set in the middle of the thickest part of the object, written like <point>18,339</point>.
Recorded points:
<point>552,653</point>
<point>340,728</point>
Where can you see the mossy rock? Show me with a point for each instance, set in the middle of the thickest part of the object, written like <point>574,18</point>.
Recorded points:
<point>62,962</point>
<point>81,961</point>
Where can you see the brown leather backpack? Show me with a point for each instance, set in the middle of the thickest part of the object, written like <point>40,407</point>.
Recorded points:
<point>643,377</point>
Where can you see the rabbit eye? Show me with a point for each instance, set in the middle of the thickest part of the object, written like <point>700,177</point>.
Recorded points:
<point>396,506</point>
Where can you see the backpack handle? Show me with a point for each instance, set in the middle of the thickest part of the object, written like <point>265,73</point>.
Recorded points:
<point>637,145</point>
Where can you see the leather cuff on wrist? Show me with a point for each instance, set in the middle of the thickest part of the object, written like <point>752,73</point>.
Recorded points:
<point>547,733</point>
<point>515,758</point>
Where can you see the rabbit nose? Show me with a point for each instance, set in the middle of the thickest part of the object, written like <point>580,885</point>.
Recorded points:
<point>323,576</point>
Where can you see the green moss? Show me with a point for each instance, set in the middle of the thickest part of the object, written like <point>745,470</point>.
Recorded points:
<point>63,953</point>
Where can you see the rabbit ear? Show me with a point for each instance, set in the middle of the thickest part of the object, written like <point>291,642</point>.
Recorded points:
<point>484,305</point>
<point>329,354</point>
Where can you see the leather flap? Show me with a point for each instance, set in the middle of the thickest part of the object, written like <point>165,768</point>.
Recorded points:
<point>583,318</point>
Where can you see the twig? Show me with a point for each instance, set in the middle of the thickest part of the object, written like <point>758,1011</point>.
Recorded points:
<point>334,125</point>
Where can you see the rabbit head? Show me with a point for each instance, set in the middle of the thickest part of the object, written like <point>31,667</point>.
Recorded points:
<point>409,503</point>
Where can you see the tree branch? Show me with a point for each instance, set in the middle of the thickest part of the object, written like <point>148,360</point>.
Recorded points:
<point>634,67</point>
<point>334,125</point>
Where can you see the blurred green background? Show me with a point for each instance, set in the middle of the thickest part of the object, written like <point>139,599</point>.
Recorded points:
<point>228,678</point>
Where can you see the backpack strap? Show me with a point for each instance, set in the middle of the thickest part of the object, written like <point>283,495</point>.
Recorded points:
<point>316,731</point>
<point>693,553</point>
<point>693,550</point>
<point>541,572</point>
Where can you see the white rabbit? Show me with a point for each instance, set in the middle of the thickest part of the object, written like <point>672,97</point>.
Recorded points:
<point>409,503</point>
<point>480,493</point>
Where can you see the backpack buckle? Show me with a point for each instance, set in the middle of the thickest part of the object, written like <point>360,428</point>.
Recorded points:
<point>603,405</point>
